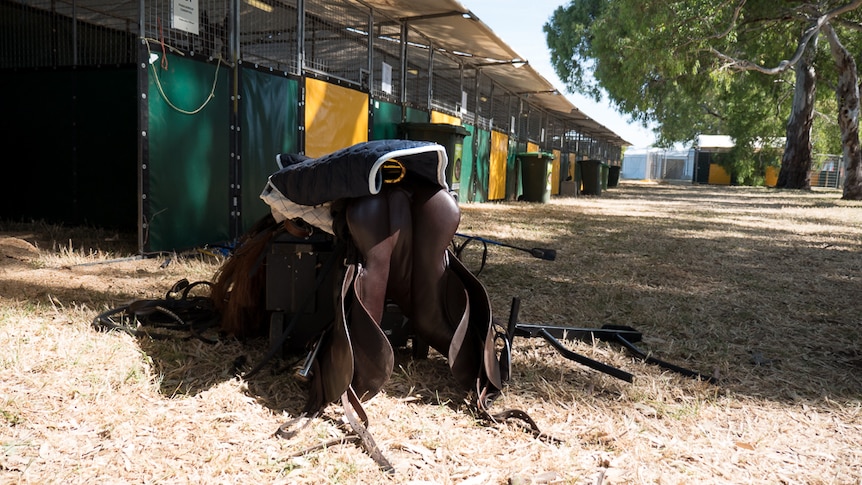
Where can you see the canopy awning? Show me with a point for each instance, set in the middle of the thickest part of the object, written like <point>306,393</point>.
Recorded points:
<point>450,26</point>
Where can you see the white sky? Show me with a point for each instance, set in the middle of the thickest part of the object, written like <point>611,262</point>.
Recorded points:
<point>519,23</point>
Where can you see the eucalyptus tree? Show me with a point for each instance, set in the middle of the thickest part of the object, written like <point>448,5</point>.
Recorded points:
<point>743,68</point>
<point>847,93</point>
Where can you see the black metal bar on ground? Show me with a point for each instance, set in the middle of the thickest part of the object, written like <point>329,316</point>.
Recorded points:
<point>593,364</point>
<point>607,334</point>
<point>620,334</point>
<point>664,365</point>
<point>513,319</point>
<point>540,253</point>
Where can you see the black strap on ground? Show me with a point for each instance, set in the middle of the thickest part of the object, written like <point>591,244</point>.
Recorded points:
<point>481,407</point>
<point>459,248</point>
<point>177,311</point>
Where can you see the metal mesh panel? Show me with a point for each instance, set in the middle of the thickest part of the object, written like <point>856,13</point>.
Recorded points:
<point>580,146</point>
<point>535,120</point>
<point>446,85</point>
<point>268,35</point>
<point>570,141</point>
<point>469,85</point>
<point>56,33</point>
<point>336,40</point>
<point>417,71</point>
<point>470,88</point>
<point>481,106</point>
<point>504,108</point>
<point>602,149</point>
<point>387,50</point>
<point>209,38</point>
<point>587,147</point>
<point>555,132</point>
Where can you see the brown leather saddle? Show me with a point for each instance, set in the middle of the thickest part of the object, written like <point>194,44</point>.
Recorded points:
<point>389,203</point>
<point>401,236</point>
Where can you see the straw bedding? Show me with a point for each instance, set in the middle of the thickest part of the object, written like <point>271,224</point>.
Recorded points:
<point>759,288</point>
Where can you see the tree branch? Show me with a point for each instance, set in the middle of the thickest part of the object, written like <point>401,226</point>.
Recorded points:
<point>810,32</point>
<point>846,23</point>
<point>719,35</point>
<point>706,109</point>
<point>733,20</point>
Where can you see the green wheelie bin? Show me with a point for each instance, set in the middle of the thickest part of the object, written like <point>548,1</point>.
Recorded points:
<point>536,176</point>
<point>591,177</point>
<point>614,175</point>
<point>450,137</point>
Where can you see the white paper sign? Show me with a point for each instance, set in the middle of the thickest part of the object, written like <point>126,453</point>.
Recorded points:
<point>386,82</point>
<point>185,16</point>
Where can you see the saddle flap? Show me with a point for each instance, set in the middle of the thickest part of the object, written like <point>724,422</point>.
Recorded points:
<point>336,357</point>
<point>372,353</point>
<point>472,353</point>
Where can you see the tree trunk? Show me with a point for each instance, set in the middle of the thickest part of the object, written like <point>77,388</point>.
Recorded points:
<point>795,170</point>
<point>848,115</point>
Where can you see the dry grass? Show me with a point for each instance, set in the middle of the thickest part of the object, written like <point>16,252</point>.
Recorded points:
<point>757,287</point>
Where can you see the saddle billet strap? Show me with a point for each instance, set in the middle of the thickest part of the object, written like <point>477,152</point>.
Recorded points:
<point>358,421</point>
<point>357,353</point>
<point>463,358</point>
<point>356,418</point>
<point>323,446</point>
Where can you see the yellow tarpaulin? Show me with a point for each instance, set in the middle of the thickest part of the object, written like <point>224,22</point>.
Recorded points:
<point>335,117</point>
<point>497,169</point>
<point>532,147</point>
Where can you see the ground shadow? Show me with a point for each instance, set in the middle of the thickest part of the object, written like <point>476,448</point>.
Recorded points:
<point>760,306</point>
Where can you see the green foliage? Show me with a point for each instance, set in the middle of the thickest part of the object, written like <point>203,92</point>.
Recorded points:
<point>569,38</point>
<point>748,162</point>
<point>657,61</point>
